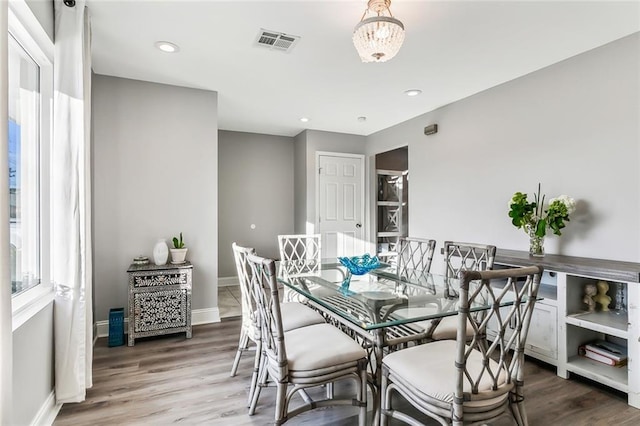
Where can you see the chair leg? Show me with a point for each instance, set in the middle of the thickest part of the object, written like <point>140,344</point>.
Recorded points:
<point>385,401</point>
<point>362,398</point>
<point>263,373</point>
<point>281,403</point>
<point>242,345</point>
<point>256,371</point>
<point>517,406</point>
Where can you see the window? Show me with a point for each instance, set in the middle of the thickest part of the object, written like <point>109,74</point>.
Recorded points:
<point>24,162</point>
<point>30,98</point>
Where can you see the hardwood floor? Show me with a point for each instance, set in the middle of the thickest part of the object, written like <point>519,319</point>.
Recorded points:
<point>171,379</point>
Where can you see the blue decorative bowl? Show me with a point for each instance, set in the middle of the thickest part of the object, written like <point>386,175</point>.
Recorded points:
<point>360,265</point>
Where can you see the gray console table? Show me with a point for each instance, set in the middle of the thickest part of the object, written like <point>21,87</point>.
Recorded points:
<point>159,300</point>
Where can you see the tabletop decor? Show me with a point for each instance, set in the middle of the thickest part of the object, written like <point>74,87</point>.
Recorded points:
<point>358,265</point>
<point>179,251</point>
<point>160,252</point>
<point>534,219</point>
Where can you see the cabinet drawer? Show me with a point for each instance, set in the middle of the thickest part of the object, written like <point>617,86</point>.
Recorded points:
<point>160,310</point>
<point>160,279</point>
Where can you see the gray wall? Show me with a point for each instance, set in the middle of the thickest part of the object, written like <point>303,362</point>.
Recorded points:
<point>155,174</point>
<point>256,186</point>
<point>300,183</point>
<point>573,126</point>
<point>314,141</point>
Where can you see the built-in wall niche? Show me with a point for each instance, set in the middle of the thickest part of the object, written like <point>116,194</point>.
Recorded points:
<point>392,201</point>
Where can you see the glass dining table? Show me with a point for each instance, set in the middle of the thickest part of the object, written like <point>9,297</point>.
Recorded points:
<point>379,308</point>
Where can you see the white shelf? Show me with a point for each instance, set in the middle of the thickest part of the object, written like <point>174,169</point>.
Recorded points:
<point>387,254</point>
<point>390,203</point>
<point>602,322</point>
<point>390,234</point>
<point>615,377</point>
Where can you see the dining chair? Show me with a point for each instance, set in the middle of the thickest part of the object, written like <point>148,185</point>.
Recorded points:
<point>302,358</point>
<point>415,256</point>
<point>469,381</point>
<point>459,257</point>
<point>295,315</point>
<point>301,252</point>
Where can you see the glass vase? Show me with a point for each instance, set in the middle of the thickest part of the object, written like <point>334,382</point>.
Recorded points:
<point>536,244</point>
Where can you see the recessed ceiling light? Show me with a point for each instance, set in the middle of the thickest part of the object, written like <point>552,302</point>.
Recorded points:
<point>167,46</point>
<point>304,119</point>
<point>412,92</point>
<point>362,119</point>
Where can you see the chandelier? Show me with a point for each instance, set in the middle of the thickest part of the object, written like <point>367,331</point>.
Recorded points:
<point>378,38</point>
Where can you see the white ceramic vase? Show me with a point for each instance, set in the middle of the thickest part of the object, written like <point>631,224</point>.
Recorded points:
<point>161,252</point>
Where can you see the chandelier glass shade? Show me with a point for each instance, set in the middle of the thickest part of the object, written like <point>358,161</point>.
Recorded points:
<point>378,38</point>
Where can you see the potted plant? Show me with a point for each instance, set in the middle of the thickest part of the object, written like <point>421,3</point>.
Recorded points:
<point>179,251</point>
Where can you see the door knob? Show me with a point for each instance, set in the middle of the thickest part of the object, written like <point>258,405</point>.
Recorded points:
<point>358,225</point>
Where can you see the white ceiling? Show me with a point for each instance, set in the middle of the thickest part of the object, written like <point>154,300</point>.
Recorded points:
<point>452,50</point>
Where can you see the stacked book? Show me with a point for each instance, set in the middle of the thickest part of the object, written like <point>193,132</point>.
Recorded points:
<point>604,352</point>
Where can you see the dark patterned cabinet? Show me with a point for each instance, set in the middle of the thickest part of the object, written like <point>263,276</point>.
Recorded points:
<point>159,300</point>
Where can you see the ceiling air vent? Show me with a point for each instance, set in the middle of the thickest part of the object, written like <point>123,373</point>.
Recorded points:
<point>276,41</point>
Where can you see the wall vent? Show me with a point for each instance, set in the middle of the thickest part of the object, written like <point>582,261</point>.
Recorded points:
<point>276,41</point>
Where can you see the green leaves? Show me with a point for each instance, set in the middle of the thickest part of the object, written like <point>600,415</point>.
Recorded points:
<point>557,214</point>
<point>520,210</point>
<point>178,243</point>
<point>531,216</point>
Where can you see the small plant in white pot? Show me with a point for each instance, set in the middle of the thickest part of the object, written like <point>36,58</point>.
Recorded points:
<point>179,251</point>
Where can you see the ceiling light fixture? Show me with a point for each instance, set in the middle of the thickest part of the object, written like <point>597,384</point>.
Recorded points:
<point>304,119</point>
<point>379,37</point>
<point>412,92</point>
<point>167,46</point>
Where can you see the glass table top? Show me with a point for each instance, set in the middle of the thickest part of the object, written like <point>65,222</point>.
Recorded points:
<point>377,299</point>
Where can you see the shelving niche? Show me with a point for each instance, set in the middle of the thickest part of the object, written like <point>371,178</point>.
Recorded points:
<point>392,211</point>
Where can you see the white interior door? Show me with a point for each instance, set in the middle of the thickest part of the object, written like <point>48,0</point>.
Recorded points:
<point>341,204</point>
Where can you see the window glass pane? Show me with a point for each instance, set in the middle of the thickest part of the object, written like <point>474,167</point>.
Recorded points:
<point>24,188</point>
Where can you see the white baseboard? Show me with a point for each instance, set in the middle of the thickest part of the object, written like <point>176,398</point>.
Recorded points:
<point>227,281</point>
<point>47,412</point>
<point>198,317</point>
<point>205,316</point>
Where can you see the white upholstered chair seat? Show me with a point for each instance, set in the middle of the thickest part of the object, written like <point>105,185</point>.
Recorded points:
<point>436,378</point>
<point>328,348</point>
<point>296,315</point>
<point>447,328</point>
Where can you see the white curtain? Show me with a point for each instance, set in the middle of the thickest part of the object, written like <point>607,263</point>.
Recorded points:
<point>6,338</point>
<point>71,203</point>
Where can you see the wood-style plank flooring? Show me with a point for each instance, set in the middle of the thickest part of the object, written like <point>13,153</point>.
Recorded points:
<point>170,379</point>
